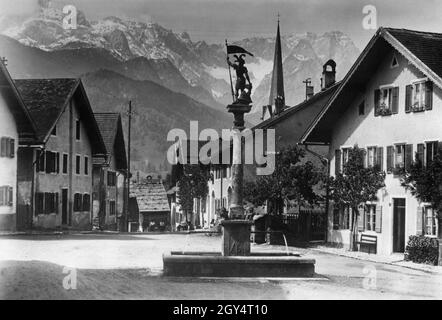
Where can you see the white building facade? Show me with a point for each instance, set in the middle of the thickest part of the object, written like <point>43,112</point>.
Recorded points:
<point>390,104</point>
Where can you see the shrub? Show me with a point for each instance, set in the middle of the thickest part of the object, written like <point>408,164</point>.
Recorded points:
<point>421,249</point>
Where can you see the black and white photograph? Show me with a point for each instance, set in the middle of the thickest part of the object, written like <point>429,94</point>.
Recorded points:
<point>232,151</point>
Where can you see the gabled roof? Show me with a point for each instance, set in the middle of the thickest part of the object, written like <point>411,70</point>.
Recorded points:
<point>317,101</point>
<point>151,197</point>
<point>25,125</point>
<point>47,99</point>
<point>111,130</point>
<point>422,49</point>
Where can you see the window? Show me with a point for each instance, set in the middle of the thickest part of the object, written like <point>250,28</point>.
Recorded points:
<point>394,62</point>
<point>54,131</point>
<point>419,96</point>
<point>111,178</point>
<point>77,164</point>
<point>403,156</point>
<point>386,101</point>
<point>430,222</point>
<point>7,147</point>
<point>371,156</point>
<point>370,217</point>
<point>6,196</point>
<point>345,155</point>
<point>112,208</point>
<point>431,151</point>
<point>86,202</point>
<point>46,203</point>
<point>77,202</point>
<point>65,163</point>
<point>362,108</point>
<point>86,165</point>
<point>50,203</point>
<point>77,130</point>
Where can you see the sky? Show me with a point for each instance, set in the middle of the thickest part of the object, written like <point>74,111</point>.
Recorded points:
<point>216,20</point>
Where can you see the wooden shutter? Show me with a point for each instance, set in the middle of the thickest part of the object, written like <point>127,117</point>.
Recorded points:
<point>395,100</point>
<point>10,196</point>
<point>380,158</point>
<point>11,148</point>
<point>408,156</point>
<point>337,161</point>
<point>420,153</point>
<point>390,155</point>
<point>336,212</point>
<point>378,218</point>
<point>419,221</point>
<point>377,98</point>
<point>48,157</point>
<point>3,142</point>
<point>408,98</point>
<point>361,218</point>
<point>56,202</point>
<point>428,95</point>
<point>57,162</point>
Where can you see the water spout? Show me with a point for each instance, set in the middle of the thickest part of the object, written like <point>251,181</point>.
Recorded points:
<point>286,246</point>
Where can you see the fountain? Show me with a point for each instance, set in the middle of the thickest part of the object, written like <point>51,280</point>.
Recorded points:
<point>236,258</point>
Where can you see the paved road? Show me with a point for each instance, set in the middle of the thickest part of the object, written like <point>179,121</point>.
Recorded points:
<point>129,267</point>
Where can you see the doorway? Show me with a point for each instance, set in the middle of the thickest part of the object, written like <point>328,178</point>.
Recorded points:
<point>64,206</point>
<point>399,225</point>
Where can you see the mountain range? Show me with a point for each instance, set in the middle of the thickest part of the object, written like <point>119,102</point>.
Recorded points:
<point>132,58</point>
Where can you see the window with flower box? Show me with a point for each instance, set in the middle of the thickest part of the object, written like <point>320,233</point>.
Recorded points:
<point>386,101</point>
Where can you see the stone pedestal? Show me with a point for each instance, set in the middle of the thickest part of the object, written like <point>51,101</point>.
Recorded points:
<point>236,237</point>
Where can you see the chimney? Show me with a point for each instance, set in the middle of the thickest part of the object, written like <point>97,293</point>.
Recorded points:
<point>328,74</point>
<point>309,92</point>
<point>309,89</point>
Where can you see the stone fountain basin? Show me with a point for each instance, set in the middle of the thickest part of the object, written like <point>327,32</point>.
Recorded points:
<point>257,264</point>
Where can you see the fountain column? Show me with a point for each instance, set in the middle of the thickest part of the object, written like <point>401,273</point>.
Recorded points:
<point>236,229</point>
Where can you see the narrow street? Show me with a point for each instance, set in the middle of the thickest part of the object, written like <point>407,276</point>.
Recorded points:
<point>110,266</point>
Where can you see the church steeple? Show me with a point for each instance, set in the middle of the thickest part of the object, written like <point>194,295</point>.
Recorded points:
<point>277,96</point>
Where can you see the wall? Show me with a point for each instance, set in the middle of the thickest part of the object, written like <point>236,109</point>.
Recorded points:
<point>368,130</point>
<point>8,166</point>
<point>65,142</point>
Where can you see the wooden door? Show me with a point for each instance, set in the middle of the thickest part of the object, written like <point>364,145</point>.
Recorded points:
<point>399,225</point>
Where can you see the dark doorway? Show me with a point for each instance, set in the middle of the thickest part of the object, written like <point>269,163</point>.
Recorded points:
<point>398,225</point>
<point>64,206</point>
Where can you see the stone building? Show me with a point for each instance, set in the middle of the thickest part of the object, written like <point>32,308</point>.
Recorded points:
<point>16,128</point>
<point>109,173</point>
<point>390,104</point>
<point>55,171</point>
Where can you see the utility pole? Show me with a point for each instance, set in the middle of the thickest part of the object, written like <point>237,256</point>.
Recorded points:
<point>126,218</point>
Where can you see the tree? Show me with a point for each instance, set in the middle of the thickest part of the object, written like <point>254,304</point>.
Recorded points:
<point>191,184</point>
<point>355,186</point>
<point>291,180</point>
<point>425,183</point>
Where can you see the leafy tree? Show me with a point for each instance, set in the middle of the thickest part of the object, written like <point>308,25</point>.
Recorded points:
<point>355,186</point>
<point>425,183</point>
<point>191,184</point>
<point>291,180</point>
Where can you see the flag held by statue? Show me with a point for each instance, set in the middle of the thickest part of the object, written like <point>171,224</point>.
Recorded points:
<point>231,49</point>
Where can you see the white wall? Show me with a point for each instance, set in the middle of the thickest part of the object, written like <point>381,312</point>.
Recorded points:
<point>368,130</point>
<point>8,166</point>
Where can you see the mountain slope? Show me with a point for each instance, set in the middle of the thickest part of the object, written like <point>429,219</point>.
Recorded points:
<point>157,111</point>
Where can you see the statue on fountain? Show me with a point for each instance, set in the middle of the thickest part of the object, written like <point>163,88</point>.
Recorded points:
<point>241,76</point>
